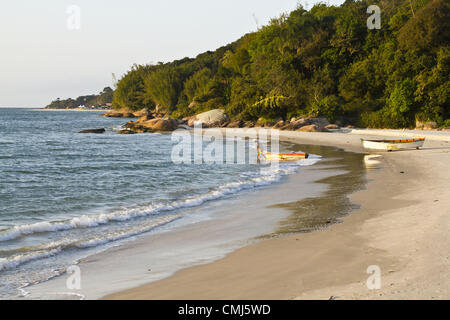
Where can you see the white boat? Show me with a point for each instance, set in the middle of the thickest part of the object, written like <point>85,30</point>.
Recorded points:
<point>390,145</point>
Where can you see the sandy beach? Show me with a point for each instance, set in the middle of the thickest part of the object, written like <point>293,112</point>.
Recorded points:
<point>402,228</point>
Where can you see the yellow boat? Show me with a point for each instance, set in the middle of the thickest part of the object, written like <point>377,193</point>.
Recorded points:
<point>286,156</point>
<point>272,156</point>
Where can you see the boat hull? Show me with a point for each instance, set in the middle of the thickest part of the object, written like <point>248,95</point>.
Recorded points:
<point>285,156</point>
<point>390,145</point>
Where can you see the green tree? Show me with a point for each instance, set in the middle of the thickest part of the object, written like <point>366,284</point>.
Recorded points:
<point>129,93</point>
<point>163,87</point>
<point>321,62</point>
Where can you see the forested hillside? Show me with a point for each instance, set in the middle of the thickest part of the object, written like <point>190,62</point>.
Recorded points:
<point>321,62</point>
<point>93,100</point>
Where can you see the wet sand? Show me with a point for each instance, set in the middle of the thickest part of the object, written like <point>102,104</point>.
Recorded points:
<point>402,227</point>
<point>213,230</point>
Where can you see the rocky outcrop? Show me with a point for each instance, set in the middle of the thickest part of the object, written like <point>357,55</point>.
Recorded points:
<point>212,118</point>
<point>126,131</point>
<point>312,128</point>
<point>118,114</point>
<point>146,117</point>
<point>151,121</point>
<point>98,131</point>
<point>153,125</point>
<point>296,124</point>
<point>280,124</point>
<point>321,121</point>
<point>332,127</point>
<point>160,124</point>
<point>431,125</point>
<point>142,112</point>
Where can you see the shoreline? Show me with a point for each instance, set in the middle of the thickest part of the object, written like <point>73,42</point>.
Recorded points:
<point>92,110</point>
<point>207,233</point>
<point>393,230</point>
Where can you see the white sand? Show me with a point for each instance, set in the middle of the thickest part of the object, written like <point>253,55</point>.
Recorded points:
<point>403,227</point>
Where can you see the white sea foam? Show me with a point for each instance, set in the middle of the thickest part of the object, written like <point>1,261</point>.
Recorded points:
<point>265,177</point>
<point>55,247</point>
<point>14,261</point>
<point>126,234</point>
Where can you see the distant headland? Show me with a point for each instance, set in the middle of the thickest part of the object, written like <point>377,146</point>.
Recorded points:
<point>101,101</point>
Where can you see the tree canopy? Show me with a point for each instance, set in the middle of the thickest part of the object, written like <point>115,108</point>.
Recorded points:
<point>321,62</point>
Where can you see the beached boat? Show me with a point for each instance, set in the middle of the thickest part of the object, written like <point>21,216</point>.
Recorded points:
<point>390,145</point>
<point>286,156</point>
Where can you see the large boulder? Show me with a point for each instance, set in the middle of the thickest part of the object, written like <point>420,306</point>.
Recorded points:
<point>210,118</point>
<point>145,117</point>
<point>102,130</point>
<point>430,125</point>
<point>141,113</point>
<point>312,128</point>
<point>160,124</point>
<point>153,125</point>
<point>332,127</point>
<point>191,120</point>
<point>279,124</point>
<point>296,124</point>
<point>286,126</point>
<point>320,121</point>
<point>119,114</point>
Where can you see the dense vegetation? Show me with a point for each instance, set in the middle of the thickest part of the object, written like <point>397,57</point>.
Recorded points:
<point>103,98</point>
<point>321,62</point>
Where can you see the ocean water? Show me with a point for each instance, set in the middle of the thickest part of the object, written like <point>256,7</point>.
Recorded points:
<point>65,195</point>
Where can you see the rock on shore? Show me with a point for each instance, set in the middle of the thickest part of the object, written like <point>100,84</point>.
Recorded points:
<point>154,121</point>
<point>118,114</point>
<point>212,118</point>
<point>153,125</point>
<point>102,130</point>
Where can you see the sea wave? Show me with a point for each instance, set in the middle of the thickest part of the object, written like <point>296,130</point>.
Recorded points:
<point>56,247</point>
<point>266,176</point>
<point>13,262</point>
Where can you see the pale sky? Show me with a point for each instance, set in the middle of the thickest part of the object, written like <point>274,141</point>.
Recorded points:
<point>41,59</point>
